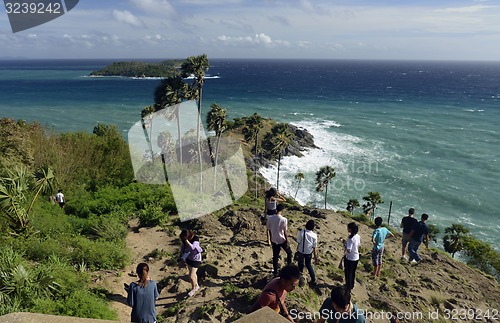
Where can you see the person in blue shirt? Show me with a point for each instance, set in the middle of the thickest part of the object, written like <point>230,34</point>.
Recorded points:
<point>338,308</point>
<point>419,234</point>
<point>142,296</point>
<point>378,237</point>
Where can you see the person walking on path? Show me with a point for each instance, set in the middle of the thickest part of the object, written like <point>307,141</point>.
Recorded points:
<point>60,198</point>
<point>274,293</point>
<point>271,203</point>
<point>419,234</point>
<point>338,308</point>
<point>351,256</point>
<point>307,241</point>
<point>378,238</point>
<point>191,256</point>
<point>141,296</point>
<point>407,223</point>
<point>278,230</point>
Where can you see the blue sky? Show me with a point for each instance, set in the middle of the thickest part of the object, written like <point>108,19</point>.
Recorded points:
<point>345,29</point>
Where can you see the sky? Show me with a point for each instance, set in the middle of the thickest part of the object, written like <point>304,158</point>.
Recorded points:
<point>299,29</point>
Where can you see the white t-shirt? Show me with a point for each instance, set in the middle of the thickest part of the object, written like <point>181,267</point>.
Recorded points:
<point>277,224</point>
<point>310,241</point>
<point>352,246</point>
<point>60,197</point>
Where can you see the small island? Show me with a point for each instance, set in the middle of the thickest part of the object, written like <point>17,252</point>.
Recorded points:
<point>164,69</point>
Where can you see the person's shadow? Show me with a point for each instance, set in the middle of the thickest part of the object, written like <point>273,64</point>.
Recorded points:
<point>118,298</point>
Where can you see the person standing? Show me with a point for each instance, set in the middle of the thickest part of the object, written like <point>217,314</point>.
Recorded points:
<point>407,223</point>
<point>274,293</point>
<point>307,241</point>
<point>378,238</point>
<point>351,257</point>
<point>277,225</point>
<point>60,198</point>
<point>271,202</point>
<point>338,308</point>
<point>191,256</point>
<point>141,296</point>
<point>419,234</point>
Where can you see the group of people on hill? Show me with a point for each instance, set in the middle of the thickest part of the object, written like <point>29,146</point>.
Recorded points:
<point>336,308</point>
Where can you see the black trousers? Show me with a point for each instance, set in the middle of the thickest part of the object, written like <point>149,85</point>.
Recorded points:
<point>350,272</point>
<point>276,254</point>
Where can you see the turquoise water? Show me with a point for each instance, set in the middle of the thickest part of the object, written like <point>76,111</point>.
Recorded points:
<point>423,134</point>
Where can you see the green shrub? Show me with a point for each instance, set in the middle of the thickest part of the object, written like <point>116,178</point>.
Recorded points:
<point>152,215</point>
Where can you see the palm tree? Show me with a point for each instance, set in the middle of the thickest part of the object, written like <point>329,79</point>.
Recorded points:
<point>197,66</point>
<point>216,120</point>
<point>168,96</point>
<point>299,177</point>
<point>253,124</point>
<point>454,238</point>
<point>279,138</point>
<point>147,112</point>
<point>372,199</point>
<point>352,204</point>
<point>14,192</point>
<point>323,178</point>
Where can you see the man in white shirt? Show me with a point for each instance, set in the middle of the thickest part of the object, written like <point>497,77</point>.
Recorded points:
<point>308,240</point>
<point>60,198</point>
<point>278,226</point>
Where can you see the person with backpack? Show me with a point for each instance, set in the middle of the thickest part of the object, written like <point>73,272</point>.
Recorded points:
<point>419,234</point>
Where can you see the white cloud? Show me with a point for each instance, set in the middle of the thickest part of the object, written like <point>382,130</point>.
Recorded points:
<point>156,7</point>
<point>260,38</point>
<point>468,9</point>
<point>127,17</point>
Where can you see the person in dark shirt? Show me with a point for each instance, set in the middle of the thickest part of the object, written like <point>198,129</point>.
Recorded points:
<point>419,234</point>
<point>338,308</point>
<point>407,223</point>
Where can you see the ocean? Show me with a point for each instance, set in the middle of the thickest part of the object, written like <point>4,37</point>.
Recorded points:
<point>424,134</point>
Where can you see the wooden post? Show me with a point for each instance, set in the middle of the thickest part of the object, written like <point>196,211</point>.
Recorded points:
<point>389,218</point>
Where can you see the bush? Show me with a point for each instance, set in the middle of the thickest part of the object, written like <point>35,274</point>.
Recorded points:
<point>153,215</point>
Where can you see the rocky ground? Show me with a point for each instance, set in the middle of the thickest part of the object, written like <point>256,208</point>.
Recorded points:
<point>439,289</point>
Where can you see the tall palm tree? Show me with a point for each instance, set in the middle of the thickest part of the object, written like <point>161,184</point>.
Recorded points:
<point>372,199</point>
<point>280,138</point>
<point>299,177</point>
<point>147,113</point>
<point>323,178</point>
<point>216,121</point>
<point>168,96</point>
<point>15,190</point>
<point>253,124</point>
<point>197,66</point>
<point>352,205</point>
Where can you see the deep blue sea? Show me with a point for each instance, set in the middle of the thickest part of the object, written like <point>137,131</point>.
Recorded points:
<point>423,134</point>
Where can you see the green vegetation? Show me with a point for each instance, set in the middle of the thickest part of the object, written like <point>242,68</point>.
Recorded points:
<point>166,68</point>
<point>372,199</point>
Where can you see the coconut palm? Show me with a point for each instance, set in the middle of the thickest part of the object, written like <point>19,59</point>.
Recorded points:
<point>299,177</point>
<point>323,178</point>
<point>454,238</point>
<point>197,66</point>
<point>147,113</point>
<point>216,121</point>
<point>253,125</point>
<point>168,96</point>
<point>352,204</point>
<point>14,192</point>
<point>279,139</point>
<point>372,200</point>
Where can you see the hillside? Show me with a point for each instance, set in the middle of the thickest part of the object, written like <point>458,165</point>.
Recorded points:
<point>240,265</point>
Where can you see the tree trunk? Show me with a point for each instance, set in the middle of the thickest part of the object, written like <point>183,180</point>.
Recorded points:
<point>326,193</point>
<point>278,178</point>
<point>198,140</point>
<point>216,159</point>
